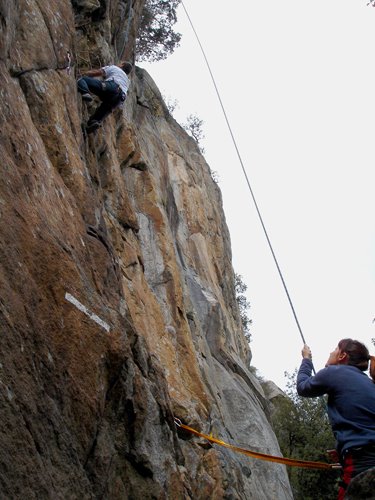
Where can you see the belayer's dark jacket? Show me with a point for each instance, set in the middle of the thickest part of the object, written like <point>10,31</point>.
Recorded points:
<point>351,401</point>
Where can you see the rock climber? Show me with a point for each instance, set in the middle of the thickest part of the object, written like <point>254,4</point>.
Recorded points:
<point>351,403</point>
<point>110,84</point>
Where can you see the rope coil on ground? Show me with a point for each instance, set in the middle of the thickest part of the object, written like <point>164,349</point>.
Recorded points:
<point>260,456</point>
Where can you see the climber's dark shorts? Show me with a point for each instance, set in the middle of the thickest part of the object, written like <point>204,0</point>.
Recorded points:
<point>109,92</point>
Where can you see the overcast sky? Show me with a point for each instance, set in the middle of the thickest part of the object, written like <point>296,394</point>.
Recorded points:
<point>297,80</point>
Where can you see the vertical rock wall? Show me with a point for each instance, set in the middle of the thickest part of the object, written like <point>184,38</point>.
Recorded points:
<point>117,305</point>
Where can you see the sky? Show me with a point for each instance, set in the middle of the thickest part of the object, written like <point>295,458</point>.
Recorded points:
<point>297,80</point>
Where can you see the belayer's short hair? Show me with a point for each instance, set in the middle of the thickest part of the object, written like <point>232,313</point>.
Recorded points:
<point>126,66</point>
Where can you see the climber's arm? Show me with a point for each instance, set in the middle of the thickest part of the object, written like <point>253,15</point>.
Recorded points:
<point>95,72</point>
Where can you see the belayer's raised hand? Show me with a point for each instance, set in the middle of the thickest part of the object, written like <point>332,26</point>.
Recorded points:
<point>306,352</point>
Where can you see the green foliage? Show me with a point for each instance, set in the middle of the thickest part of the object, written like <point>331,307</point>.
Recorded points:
<point>256,374</point>
<point>156,38</point>
<point>193,126</point>
<point>172,104</point>
<point>303,431</point>
<point>243,304</point>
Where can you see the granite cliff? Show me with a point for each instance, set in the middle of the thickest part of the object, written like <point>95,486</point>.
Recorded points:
<point>117,302</point>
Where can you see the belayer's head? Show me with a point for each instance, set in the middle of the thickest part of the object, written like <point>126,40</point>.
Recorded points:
<point>126,66</point>
<point>354,353</point>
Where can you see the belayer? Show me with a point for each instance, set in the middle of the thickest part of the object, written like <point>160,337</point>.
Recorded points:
<point>110,84</point>
<point>351,403</point>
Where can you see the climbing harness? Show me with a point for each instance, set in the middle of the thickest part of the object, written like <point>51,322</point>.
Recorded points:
<point>247,179</point>
<point>260,456</point>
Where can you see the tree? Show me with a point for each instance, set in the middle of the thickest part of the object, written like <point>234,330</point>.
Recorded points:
<point>172,104</point>
<point>156,39</point>
<point>194,127</point>
<point>243,305</point>
<point>303,430</point>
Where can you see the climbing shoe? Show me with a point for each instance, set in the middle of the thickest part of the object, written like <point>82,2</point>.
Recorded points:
<point>87,97</point>
<point>92,126</point>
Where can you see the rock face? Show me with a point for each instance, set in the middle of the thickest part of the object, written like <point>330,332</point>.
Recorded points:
<point>117,303</point>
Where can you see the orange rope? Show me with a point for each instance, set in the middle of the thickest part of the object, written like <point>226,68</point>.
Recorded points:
<point>261,456</point>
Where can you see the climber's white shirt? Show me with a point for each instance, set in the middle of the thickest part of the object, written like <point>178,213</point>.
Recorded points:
<point>118,75</point>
